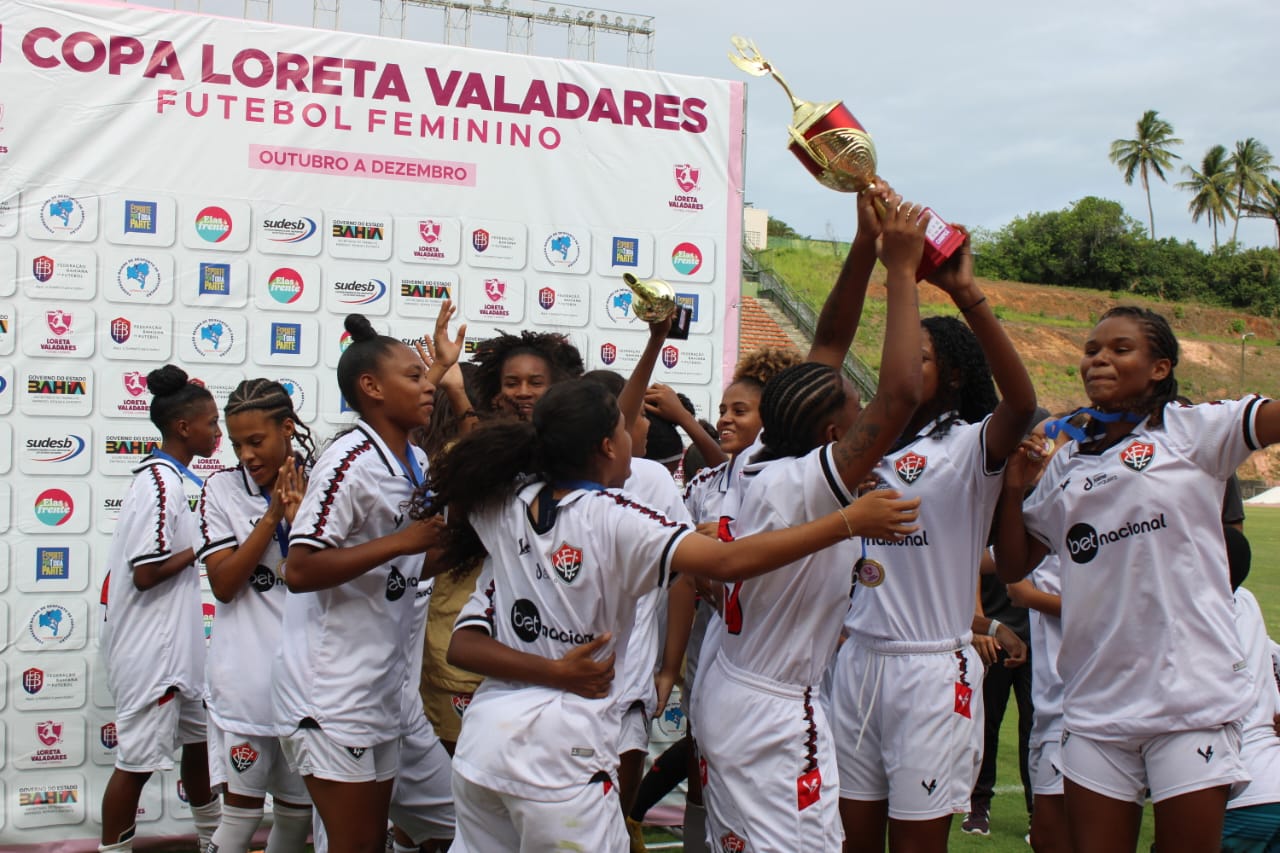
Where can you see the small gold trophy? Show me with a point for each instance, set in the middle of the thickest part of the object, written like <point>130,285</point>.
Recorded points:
<point>826,138</point>
<point>655,300</point>
<point>838,151</point>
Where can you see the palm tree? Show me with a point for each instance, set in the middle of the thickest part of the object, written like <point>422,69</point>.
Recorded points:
<point>1211,188</point>
<point>1251,163</point>
<point>1149,151</point>
<point>1265,205</point>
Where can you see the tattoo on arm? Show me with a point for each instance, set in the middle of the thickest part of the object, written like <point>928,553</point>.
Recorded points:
<point>859,442</point>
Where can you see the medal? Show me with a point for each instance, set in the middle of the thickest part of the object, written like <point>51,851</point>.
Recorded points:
<point>869,572</point>
<point>280,568</point>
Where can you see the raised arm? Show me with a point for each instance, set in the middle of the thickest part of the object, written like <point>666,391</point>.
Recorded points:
<point>842,310</point>
<point>631,400</point>
<point>878,425</point>
<point>1017,395</point>
<point>662,401</point>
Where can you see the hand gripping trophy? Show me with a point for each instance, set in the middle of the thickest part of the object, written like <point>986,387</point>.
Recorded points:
<point>838,151</point>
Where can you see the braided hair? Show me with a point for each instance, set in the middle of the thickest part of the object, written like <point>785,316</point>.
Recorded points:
<point>1164,344</point>
<point>271,398</point>
<point>173,396</point>
<point>561,357</point>
<point>796,406</point>
<point>956,350</point>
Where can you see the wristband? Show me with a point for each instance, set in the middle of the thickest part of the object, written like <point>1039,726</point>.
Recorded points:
<point>974,305</point>
<point>992,628</point>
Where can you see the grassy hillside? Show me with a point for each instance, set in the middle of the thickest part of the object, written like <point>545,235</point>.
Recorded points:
<point>1048,325</point>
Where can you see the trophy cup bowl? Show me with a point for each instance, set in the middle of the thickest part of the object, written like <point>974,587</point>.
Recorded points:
<point>655,299</point>
<point>837,150</point>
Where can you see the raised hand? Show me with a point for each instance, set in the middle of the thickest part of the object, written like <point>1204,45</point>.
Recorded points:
<point>661,400</point>
<point>956,273</point>
<point>448,351</point>
<point>902,236</point>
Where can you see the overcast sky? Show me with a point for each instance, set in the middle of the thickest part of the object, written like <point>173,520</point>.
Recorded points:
<point>985,110</point>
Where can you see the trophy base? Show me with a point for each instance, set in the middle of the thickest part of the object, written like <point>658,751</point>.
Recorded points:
<point>941,241</point>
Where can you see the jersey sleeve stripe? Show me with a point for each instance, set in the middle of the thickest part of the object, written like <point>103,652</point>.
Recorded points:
<point>162,547</point>
<point>830,472</point>
<point>664,563</point>
<point>145,559</point>
<point>303,539</point>
<point>335,483</point>
<point>987,468</point>
<point>1249,422</point>
<point>475,622</point>
<point>213,547</point>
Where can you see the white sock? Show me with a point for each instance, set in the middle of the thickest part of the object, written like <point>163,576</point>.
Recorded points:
<point>206,819</point>
<point>235,831</point>
<point>289,829</point>
<point>695,828</point>
<point>125,846</point>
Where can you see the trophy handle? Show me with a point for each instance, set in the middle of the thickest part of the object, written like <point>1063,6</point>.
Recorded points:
<point>750,60</point>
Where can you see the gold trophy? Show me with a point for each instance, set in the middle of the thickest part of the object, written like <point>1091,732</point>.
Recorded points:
<point>826,138</point>
<point>838,151</point>
<point>655,300</point>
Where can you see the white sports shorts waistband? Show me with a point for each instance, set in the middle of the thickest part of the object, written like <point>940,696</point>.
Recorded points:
<point>911,647</point>
<point>778,688</point>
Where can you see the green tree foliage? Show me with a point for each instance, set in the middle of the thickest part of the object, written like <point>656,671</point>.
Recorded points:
<point>1266,206</point>
<point>778,228</point>
<point>1094,244</point>
<point>1149,151</point>
<point>1211,189</point>
<point>1251,166</point>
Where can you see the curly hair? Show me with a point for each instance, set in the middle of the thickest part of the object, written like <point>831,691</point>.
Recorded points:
<point>956,349</point>
<point>489,463</point>
<point>761,365</point>
<point>562,358</point>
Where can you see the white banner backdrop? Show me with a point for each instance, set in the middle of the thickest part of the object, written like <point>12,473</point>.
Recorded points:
<point>219,193</point>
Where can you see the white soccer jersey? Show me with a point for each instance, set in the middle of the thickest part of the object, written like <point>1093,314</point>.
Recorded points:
<point>731,496</point>
<point>412,712</point>
<point>343,659</point>
<point>1148,639</point>
<point>545,590</point>
<point>650,484</point>
<point>929,578</point>
<point>1259,747</point>
<point>1046,641</point>
<point>704,494</point>
<point>784,625</point>
<point>244,645</point>
<point>153,639</point>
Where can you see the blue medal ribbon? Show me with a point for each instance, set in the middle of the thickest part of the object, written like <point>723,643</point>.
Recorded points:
<point>571,485</point>
<point>282,533</point>
<point>185,471</point>
<point>1063,424</point>
<point>411,469</point>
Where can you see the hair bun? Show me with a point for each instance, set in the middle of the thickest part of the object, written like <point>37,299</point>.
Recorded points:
<point>360,328</point>
<point>166,380</point>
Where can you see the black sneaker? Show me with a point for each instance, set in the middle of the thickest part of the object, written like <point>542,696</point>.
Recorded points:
<point>977,823</point>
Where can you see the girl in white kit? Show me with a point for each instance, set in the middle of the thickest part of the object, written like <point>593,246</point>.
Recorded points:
<point>245,514</point>
<point>1154,676</point>
<point>355,563</point>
